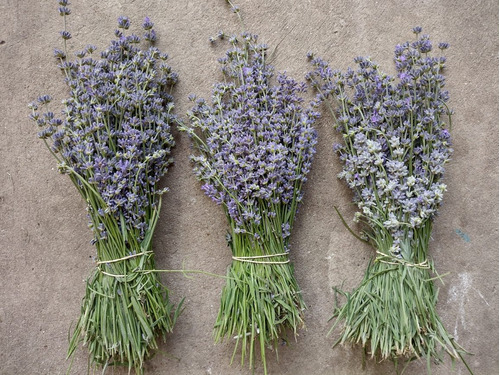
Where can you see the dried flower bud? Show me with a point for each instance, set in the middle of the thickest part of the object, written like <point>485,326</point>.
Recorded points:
<point>66,35</point>
<point>147,24</point>
<point>150,36</point>
<point>44,99</point>
<point>123,23</point>
<point>59,54</point>
<point>443,46</point>
<point>64,11</point>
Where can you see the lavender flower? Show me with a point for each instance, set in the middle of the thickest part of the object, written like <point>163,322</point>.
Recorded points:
<point>116,137</point>
<point>255,144</point>
<point>114,142</point>
<point>65,35</point>
<point>147,24</point>
<point>394,151</point>
<point>64,11</point>
<point>395,141</point>
<point>123,23</point>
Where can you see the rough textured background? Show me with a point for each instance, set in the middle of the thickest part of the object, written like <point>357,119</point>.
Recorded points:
<point>44,240</point>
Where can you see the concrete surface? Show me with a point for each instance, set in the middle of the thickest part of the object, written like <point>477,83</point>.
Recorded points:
<point>44,240</point>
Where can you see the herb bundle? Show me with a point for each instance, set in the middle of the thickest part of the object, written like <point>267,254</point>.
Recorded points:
<point>255,143</point>
<point>396,145</point>
<point>113,141</point>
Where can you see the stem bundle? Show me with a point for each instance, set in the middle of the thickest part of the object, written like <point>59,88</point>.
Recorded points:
<point>125,307</point>
<point>261,300</point>
<point>392,313</point>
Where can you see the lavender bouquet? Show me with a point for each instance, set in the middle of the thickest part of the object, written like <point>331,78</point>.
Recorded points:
<point>255,143</point>
<point>396,145</point>
<point>113,141</point>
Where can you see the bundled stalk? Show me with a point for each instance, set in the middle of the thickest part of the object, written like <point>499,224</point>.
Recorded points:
<point>114,143</point>
<point>395,147</point>
<point>255,145</point>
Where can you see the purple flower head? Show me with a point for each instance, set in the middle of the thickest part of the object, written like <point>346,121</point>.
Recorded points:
<point>255,139</point>
<point>443,45</point>
<point>123,22</point>
<point>59,54</point>
<point>64,10</point>
<point>395,141</point>
<point>115,129</point>
<point>44,99</point>
<point>147,24</point>
<point>150,36</point>
<point>65,35</point>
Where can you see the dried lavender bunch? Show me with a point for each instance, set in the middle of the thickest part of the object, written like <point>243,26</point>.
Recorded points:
<point>396,145</point>
<point>114,142</point>
<point>255,144</point>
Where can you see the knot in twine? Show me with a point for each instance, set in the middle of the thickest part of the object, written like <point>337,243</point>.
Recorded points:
<point>252,259</point>
<point>388,259</point>
<point>120,260</point>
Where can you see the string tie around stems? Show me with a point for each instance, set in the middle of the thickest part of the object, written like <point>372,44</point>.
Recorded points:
<point>120,260</point>
<point>255,259</point>
<point>387,259</point>
<point>124,258</point>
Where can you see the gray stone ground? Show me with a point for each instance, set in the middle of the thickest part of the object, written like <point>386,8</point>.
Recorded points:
<point>44,240</point>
